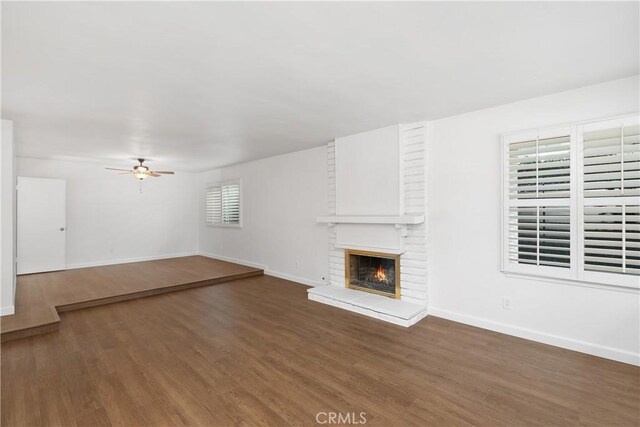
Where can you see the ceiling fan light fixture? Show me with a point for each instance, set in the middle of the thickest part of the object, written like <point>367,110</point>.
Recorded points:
<point>141,171</point>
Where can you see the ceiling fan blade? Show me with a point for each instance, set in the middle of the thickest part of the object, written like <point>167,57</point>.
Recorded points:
<point>117,169</point>
<point>125,173</point>
<point>153,174</point>
<point>164,172</point>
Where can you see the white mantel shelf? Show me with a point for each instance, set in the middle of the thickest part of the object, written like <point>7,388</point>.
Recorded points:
<point>361,219</point>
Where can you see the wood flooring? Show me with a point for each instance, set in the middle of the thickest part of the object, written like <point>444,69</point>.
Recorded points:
<point>40,297</point>
<point>257,352</point>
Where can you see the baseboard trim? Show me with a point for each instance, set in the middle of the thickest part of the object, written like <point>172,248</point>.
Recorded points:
<point>292,278</point>
<point>128,260</point>
<point>267,271</point>
<point>7,310</point>
<point>234,260</point>
<point>542,337</point>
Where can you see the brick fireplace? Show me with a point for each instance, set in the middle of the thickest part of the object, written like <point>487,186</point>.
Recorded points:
<point>377,205</point>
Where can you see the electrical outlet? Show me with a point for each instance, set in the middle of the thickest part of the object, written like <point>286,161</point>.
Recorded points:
<point>506,303</point>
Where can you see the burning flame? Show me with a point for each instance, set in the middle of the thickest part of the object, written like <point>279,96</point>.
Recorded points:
<point>380,274</point>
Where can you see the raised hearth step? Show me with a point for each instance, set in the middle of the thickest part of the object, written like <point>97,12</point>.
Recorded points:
<point>395,311</point>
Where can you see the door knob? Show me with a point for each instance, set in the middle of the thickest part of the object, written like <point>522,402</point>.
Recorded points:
<point>61,228</point>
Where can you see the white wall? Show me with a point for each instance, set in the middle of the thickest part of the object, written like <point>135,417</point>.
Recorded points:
<point>281,198</point>
<point>109,221</point>
<point>7,223</point>
<point>464,222</point>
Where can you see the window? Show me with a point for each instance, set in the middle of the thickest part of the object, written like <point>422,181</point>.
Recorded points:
<point>572,202</point>
<point>223,204</point>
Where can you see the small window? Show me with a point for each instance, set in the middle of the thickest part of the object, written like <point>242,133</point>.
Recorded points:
<point>223,204</point>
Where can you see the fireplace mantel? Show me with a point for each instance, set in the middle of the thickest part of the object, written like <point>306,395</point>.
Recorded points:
<point>362,219</point>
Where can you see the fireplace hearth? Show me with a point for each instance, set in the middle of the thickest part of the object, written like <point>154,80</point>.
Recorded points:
<point>374,272</point>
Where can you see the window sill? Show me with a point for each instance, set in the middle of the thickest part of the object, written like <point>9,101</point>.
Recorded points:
<point>632,289</point>
<point>225,225</point>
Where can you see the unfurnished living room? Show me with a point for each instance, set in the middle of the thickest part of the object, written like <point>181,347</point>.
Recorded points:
<point>320,213</point>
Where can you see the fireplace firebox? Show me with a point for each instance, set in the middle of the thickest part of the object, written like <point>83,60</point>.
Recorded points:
<point>374,272</point>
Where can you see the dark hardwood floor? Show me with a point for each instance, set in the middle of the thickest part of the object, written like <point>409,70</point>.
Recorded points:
<point>40,297</point>
<point>257,352</point>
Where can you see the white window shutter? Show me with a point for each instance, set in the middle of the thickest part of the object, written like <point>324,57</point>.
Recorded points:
<point>572,202</point>
<point>612,161</point>
<point>231,204</point>
<point>539,201</point>
<point>612,239</point>
<point>540,168</point>
<point>223,204</point>
<point>214,205</point>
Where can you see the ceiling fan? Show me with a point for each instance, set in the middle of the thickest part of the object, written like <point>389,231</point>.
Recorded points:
<point>141,171</point>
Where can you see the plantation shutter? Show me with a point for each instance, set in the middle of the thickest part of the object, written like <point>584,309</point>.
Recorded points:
<point>571,200</point>
<point>612,161</point>
<point>540,168</point>
<point>231,204</point>
<point>214,205</point>
<point>223,204</point>
<point>540,235</point>
<point>611,203</point>
<point>612,239</point>
<point>539,190</point>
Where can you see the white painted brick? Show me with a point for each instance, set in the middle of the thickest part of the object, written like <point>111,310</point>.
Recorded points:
<point>409,263</point>
<point>414,209</point>
<point>411,148</point>
<point>414,163</point>
<point>414,186</point>
<point>414,194</point>
<point>415,248</point>
<point>410,288</point>
<point>414,231</point>
<point>418,240</point>
<point>413,300</point>
<point>415,256</point>
<point>413,271</point>
<point>413,179</point>
<point>415,201</point>
<point>414,155</point>
<point>416,271</point>
<point>412,278</point>
<point>414,293</point>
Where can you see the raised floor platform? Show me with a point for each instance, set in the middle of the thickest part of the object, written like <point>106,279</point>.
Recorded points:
<point>40,297</point>
<point>395,311</point>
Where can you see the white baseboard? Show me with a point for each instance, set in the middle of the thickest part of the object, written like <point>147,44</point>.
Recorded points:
<point>7,310</point>
<point>267,271</point>
<point>555,340</point>
<point>234,260</point>
<point>128,260</point>
<point>293,278</point>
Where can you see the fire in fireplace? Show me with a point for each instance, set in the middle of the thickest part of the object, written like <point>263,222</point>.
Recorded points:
<point>373,272</point>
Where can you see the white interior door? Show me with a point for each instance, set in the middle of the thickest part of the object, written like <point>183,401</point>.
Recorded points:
<point>41,224</point>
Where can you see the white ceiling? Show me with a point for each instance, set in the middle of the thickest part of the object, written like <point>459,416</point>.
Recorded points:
<point>200,85</point>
